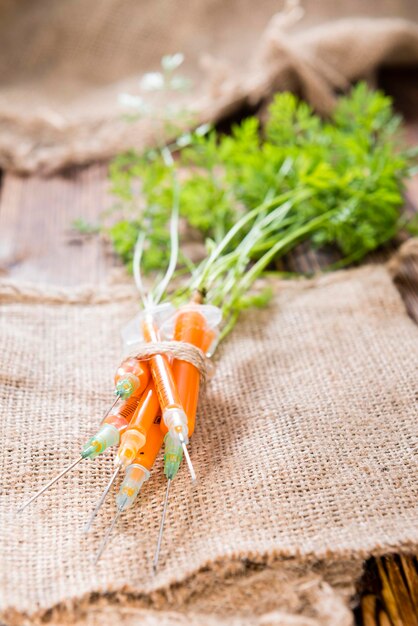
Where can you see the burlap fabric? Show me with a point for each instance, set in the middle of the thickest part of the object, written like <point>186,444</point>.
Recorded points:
<point>304,452</point>
<point>62,65</point>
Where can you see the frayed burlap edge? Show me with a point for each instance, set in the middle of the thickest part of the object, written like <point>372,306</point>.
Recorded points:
<point>29,293</point>
<point>14,291</point>
<point>324,592</point>
<point>309,592</point>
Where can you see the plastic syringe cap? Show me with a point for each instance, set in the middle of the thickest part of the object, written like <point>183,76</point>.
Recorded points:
<point>132,333</point>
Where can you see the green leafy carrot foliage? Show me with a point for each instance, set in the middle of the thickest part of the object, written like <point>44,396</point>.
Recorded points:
<point>349,169</point>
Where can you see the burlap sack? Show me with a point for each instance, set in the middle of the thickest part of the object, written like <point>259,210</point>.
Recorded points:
<point>304,452</point>
<point>62,65</point>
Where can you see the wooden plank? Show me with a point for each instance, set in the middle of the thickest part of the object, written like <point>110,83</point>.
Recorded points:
<point>38,244</point>
<point>36,239</point>
<point>389,597</point>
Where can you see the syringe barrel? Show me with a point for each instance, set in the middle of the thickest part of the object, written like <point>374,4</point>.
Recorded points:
<point>172,410</point>
<point>147,455</point>
<point>110,432</point>
<point>118,421</point>
<point>195,324</point>
<point>137,473</point>
<point>122,415</point>
<point>147,411</point>
<point>190,327</point>
<point>135,436</point>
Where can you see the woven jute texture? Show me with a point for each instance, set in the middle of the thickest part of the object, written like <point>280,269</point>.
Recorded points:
<point>304,452</point>
<point>63,64</point>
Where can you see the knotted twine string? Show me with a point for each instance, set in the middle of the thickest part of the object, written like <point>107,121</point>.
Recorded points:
<point>179,350</point>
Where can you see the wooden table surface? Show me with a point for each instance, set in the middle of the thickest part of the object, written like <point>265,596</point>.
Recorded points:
<point>39,244</point>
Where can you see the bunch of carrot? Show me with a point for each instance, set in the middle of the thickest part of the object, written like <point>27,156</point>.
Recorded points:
<point>161,407</point>
<point>162,387</point>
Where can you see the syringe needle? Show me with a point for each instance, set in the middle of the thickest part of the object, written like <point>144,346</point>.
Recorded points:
<point>50,483</point>
<point>160,533</point>
<point>188,459</point>
<point>109,531</point>
<point>102,499</point>
<point>110,409</point>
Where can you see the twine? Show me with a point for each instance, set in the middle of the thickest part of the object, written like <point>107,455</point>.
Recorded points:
<point>179,350</point>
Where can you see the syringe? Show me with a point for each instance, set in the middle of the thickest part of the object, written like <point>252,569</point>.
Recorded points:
<point>108,435</point>
<point>144,413</point>
<point>195,324</point>
<point>173,414</point>
<point>113,427</point>
<point>135,436</point>
<point>136,475</point>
